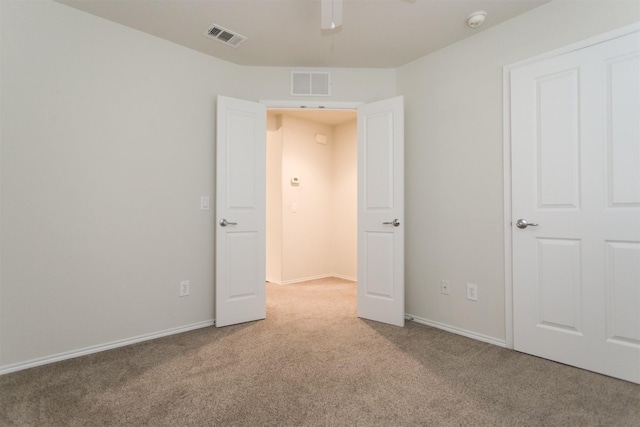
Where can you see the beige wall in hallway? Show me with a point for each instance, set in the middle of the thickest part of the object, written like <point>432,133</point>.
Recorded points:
<point>311,225</point>
<point>344,224</point>
<point>274,199</point>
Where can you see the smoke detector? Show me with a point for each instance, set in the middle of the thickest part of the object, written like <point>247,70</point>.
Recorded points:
<point>223,35</point>
<point>476,19</point>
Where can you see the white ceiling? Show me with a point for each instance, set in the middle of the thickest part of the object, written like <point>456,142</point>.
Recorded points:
<point>375,33</point>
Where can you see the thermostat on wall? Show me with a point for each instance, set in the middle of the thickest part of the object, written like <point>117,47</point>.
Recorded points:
<point>295,181</point>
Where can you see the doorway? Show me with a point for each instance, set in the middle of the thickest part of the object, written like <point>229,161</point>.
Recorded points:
<point>241,211</point>
<point>311,195</point>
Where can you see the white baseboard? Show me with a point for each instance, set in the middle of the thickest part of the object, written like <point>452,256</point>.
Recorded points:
<point>101,347</point>
<point>463,332</point>
<point>342,276</point>
<point>121,343</point>
<point>302,279</point>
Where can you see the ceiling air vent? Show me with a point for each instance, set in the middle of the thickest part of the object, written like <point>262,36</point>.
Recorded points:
<point>225,36</point>
<point>315,83</point>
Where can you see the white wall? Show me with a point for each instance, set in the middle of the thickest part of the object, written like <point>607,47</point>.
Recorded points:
<point>345,200</point>
<point>454,173</point>
<point>106,148</point>
<point>347,84</point>
<point>107,144</point>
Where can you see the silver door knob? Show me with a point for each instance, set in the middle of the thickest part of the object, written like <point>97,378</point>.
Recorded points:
<point>522,223</point>
<point>395,223</point>
<point>224,222</point>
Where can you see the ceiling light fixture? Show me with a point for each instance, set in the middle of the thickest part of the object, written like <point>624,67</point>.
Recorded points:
<point>330,14</point>
<point>476,19</point>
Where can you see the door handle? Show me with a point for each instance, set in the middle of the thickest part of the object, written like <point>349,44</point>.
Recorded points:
<point>395,223</point>
<point>522,223</point>
<point>224,222</point>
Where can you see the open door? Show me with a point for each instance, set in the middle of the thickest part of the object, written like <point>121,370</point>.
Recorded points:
<point>240,211</point>
<point>381,211</point>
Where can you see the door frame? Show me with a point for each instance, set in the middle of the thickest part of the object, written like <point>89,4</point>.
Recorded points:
<point>310,105</point>
<point>506,140</point>
<point>320,105</point>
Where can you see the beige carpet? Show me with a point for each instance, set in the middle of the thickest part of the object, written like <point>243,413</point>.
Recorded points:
<point>313,362</point>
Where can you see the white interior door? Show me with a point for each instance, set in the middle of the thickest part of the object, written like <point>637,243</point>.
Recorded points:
<point>240,211</point>
<point>381,211</point>
<point>575,123</point>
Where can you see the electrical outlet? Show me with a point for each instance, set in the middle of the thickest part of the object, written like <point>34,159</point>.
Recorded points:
<point>472,292</point>
<point>184,288</point>
<point>444,287</point>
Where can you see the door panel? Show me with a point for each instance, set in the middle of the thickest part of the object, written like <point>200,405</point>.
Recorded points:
<point>558,140</point>
<point>240,200</point>
<point>623,293</point>
<point>559,299</point>
<point>575,139</point>
<point>378,248</point>
<point>380,206</point>
<point>623,130</point>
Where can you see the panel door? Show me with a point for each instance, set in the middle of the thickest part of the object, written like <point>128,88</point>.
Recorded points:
<point>381,211</point>
<point>240,211</point>
<point>575,122</point>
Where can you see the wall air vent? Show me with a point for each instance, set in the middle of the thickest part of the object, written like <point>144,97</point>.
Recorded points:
<point>223,35</point>
<point>314,83</point>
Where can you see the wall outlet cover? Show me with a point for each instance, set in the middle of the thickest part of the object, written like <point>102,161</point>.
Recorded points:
<point>472,292</point>
<point>184,288</point>
<point>444,287</point>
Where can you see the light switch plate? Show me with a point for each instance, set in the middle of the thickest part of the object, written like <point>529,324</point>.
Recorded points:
<point>204,203</point>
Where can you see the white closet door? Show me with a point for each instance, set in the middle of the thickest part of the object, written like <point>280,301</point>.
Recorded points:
<point>575,122</point>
